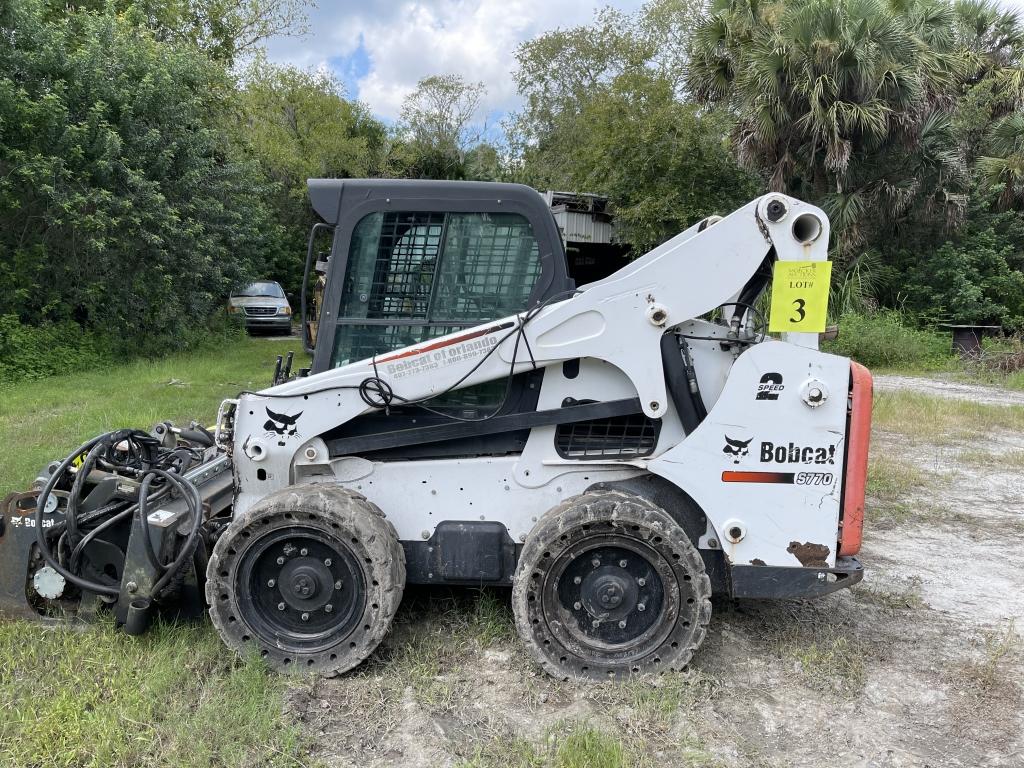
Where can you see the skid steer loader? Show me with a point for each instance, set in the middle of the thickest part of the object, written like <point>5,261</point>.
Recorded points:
<point>617,452</point>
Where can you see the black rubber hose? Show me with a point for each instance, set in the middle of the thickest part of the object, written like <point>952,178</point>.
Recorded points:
<point>93,448</point>
<point>677,383</point>
<point>199,436</point>
<point>76,490</point>
<point>143,510</point>
<point>80,547</point>
<point>44,549</point>
<point>186,550</point>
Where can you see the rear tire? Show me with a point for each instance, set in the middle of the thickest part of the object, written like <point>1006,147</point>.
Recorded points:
<point>609,586</point>
<point>310,578</point>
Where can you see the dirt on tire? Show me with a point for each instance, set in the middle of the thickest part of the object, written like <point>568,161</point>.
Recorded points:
<point>351,524</point>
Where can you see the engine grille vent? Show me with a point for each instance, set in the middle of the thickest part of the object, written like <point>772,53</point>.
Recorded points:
<point>631,436</point>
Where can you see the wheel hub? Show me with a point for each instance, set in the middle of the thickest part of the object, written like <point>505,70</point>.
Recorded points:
<point>306,584</point>
<point>611,593</point>
<point>606,593</point>
<point>305,589</point>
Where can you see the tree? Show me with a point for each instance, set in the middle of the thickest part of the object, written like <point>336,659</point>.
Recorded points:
<point>850,103</point>
<point>124,207</point>
<point>1004,166</point>
<point>225,30</point>
<point>298,125</point>
<point>437,126</point>
<point>563,69</point>
<point>604,113</point>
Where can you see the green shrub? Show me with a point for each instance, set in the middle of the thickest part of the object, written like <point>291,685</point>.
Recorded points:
<point>28,352</point>
<point>883,339</point>
<point>53,349</point>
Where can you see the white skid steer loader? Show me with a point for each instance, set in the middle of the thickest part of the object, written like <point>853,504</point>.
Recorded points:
<point>617,453</point>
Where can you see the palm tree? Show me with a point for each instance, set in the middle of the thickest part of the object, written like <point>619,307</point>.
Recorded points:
<point>838,101</point>
<point>1004,166</point>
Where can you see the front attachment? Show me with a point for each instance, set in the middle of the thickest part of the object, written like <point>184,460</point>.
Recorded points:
<point>311,577</point>
<point>608,586</point>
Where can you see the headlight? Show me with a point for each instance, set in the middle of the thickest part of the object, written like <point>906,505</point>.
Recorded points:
<point>284,310</point>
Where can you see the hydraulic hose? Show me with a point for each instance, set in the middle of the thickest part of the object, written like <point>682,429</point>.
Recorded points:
<point>132,454</point>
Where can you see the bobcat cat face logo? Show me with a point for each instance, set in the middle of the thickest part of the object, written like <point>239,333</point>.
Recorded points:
<point>281,425</point>
<point>736,448</point>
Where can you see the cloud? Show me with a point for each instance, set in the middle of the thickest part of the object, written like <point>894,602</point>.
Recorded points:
<point>381,49</point>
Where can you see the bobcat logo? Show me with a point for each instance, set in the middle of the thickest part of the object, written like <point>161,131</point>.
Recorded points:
<point>281,425</point>
<point>736,448</point>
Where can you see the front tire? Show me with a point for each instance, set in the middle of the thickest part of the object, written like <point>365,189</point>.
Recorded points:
<point>310,577</point>
<point>609,586</point>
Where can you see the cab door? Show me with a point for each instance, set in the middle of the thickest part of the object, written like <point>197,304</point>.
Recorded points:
<point>413,260</point>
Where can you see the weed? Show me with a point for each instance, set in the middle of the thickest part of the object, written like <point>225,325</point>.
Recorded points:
<point>997,665</point>
<point>908,599</point>
<point>93,697</point>
<point>890,483</point>
<point>986,689</point>
<point>884,339</point>
<point>823,654</point>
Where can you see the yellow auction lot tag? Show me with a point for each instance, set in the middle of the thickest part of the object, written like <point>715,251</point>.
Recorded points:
<point>800,296</point>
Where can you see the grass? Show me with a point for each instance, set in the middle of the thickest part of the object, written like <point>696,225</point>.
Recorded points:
<point>44,420</point>
<point>828,664</point>
<point>96,698</point>
<point>928,419</point>
<point>986,690</point>
<point>579,744</point>
<point>569,745</point>
<point>892,600</point>
<point>997,662</point>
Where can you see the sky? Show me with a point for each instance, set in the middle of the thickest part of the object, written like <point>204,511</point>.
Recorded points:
<point>381,48</point>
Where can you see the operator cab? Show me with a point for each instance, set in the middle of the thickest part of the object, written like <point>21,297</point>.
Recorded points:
<point>413,260</point>
<point>402,262</point>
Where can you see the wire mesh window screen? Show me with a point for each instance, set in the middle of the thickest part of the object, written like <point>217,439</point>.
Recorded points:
<point>490,265</point>
<point>446,270</point>
<point>355,342</point>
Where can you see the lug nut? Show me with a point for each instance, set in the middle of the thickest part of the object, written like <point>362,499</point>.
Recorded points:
<point>303,551</point>
<point>641,582</point>
<point>305,617</point>
<point>280,561</point>
<point>577,580</point>
<point>622,563</point>
<point>595,562</point>
<point>622,624</point>
<point>280,606</point>
<point>337,584</point>
<point>641,607</point>
<point>328,608</point>
<point>577,605</point>
<point>595,623</point>
<point>271,583</point>
<point>328,562</point>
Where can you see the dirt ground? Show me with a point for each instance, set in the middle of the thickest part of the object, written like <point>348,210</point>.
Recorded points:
<point>977,393</point>
<point>921,665</point>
